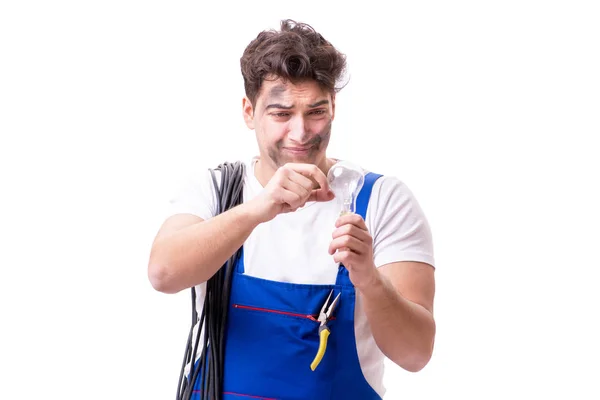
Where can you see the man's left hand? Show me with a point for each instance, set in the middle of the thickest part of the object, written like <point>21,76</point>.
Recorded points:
<point>352,245</point>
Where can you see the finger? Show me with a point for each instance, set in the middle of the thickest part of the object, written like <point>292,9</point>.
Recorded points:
<point>352,230</point>
<point>351,219</point>
<point>298,184</point>
<point>293,199</point>
<point>301,180</point>
<point>312,171</point>
<point>321,195</point>
<point>345,257</point>
<point>348,243</point>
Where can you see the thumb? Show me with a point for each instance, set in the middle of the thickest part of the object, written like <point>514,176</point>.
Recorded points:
<point>321,195</point>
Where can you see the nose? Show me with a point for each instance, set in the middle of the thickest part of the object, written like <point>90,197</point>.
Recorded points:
<point>297,130</point>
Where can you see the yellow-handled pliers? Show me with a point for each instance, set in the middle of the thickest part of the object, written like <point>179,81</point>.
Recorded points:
<point>324,332</point>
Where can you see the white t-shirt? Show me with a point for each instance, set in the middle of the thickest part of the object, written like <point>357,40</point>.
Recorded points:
<point>293,247</point>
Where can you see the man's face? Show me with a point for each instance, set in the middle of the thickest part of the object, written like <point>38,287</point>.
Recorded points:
<point>292,122</point>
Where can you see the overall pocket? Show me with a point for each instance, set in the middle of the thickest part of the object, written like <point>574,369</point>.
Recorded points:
<point>270,350</point>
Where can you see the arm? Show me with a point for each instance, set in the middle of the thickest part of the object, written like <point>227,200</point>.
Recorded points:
<point>394,273</point>
<point>187,250</point>
<point>399,307</point>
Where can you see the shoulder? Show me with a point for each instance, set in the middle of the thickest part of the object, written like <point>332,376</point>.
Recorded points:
<point>197,193</point>
<point>207,178</point>
<point>389,184</point>
<point>390,191</point>
<point>398,223</point>
<point>194,194</point>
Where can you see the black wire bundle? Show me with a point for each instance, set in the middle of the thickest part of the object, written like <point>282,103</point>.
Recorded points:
<point>216,303</point>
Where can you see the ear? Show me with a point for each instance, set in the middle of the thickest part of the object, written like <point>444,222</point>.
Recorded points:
<point>248,112</point>
<point>332,106</point>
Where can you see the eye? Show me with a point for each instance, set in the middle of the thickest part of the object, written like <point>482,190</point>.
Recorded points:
<point>280,114</point>
<point>318,112</point>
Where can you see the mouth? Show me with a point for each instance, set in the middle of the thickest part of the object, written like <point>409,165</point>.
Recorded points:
<point>298,150</point>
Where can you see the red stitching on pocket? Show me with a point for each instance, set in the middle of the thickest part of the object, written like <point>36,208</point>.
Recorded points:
<point>249,396</point>
<point>241,395</point>
<point>290,314</point>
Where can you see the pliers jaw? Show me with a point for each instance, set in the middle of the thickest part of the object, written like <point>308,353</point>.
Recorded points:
<point>327,309</point>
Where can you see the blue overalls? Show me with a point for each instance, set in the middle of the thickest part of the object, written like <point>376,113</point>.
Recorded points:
<point>272,338</point>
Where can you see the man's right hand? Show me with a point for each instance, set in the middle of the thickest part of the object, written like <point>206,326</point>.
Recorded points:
<point>291,187</point>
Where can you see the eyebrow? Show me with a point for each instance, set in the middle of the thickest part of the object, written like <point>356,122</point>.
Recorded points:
<point>281,106</point>
<point>277,105</point>
<point>318,103</point>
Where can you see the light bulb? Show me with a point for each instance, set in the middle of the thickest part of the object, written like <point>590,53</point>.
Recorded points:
<point>346,180</point>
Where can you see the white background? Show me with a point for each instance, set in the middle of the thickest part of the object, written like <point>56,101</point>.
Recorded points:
<point>489,111</point>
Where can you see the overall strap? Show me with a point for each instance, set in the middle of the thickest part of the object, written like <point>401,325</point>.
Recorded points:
<point>362,202</point>
<point>239,265</point>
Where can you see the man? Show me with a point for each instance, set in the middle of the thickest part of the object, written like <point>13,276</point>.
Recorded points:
<point>298,252</point>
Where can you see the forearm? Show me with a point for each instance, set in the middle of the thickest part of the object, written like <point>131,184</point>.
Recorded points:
<point>403,330</point>
<point>192,255</point>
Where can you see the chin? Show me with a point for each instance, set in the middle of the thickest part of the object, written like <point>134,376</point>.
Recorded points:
<point>283,156</point>
<point>300,159</point>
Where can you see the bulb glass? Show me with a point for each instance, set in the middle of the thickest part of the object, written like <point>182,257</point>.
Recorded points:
<point>346,180</point>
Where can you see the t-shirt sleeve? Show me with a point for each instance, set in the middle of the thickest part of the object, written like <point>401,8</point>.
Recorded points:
<point>196,196</point>
<point>398,225</point>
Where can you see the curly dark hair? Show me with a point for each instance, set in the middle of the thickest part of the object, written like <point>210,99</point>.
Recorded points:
<point>295,53</point>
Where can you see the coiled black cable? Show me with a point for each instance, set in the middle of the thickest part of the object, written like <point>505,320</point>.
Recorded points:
<point>216,304</point>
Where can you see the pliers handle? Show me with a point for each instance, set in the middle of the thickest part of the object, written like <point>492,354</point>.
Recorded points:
<point>324,331</point>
